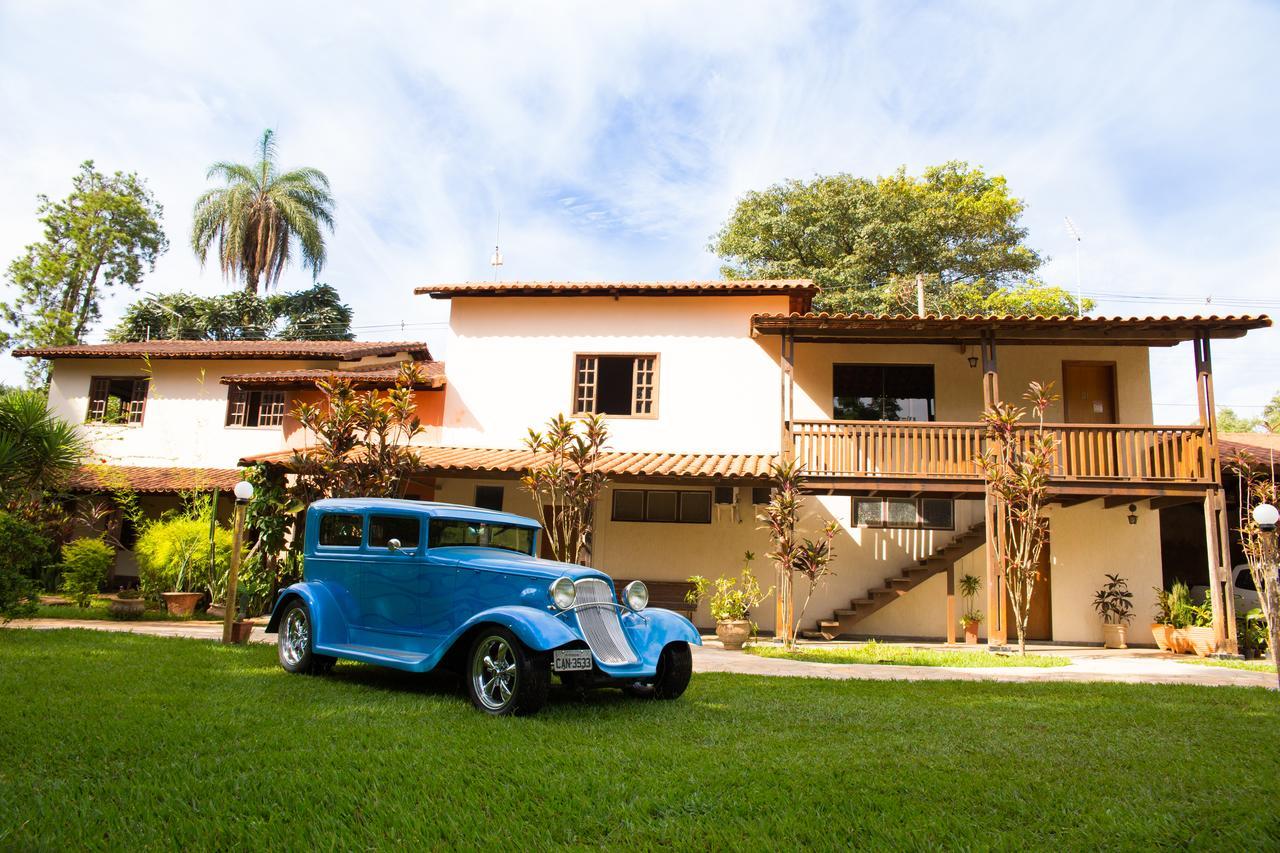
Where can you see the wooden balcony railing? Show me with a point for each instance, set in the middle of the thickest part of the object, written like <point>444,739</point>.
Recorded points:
<point>919,450</point>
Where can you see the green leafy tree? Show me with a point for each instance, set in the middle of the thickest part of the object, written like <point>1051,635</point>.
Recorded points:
<point>317,313</point>
<point>260,215</point>
<point>38,450</point>
<point>1229,421</point>
<point>105,235</point>
<point>1271,413</point>
<point>25,557</point>
<point>86,564</point>
<point>863,241</point>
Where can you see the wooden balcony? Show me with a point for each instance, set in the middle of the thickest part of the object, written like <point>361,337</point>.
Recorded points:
<point>1091,459</point>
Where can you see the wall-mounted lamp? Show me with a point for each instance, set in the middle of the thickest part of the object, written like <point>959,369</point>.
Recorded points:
<point>1133,514</point>
<point>973,359</point>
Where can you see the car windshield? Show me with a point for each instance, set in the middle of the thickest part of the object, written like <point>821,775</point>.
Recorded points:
<point>447,532</point>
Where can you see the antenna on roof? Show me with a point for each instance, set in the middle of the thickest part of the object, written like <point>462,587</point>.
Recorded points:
<point>496,260</point>
<point>1075,235</point>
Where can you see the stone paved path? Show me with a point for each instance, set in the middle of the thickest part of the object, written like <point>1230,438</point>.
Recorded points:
<point>1134,666</point>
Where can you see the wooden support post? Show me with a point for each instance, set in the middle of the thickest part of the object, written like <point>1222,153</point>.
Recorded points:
<point>997,629</point>
<point>786,394</point>
<point>1221,596</point>
<point>951,604</point>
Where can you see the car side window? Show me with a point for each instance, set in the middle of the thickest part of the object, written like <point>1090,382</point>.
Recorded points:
<point>341,530</point>
<point>384,528</point>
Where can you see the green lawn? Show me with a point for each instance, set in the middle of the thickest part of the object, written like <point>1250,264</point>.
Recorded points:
<point>97,609</point>
<point>128,741</point>
<point>1251,665</point>
<point>885,653</point>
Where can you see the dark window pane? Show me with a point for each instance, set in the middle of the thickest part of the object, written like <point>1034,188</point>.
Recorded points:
<point>874,392</point>
<point>384,528</point>
<point>337,529</point>
<point>695,507</point>
<point>613,384</point>
<point>489,497</point>
<point>868,512</point>
<point>901,513</point>
<point>628,505</point>
<point>760,495</point>
<point>937,513</point>
<point>445,532</point>
<point>661,506</point>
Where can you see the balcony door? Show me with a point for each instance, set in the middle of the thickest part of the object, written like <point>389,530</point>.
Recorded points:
<point>1089,392</point>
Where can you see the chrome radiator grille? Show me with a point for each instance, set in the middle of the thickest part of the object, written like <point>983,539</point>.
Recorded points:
<point>600,624</point>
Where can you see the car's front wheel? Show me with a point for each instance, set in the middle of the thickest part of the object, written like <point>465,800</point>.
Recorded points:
<point>675,668</point>
<point>504,677</point>
<point>295,640</point>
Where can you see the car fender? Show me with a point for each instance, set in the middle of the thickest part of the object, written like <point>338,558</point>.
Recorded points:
<point>538,630</point>
<point>652,629</point>
<point>326,617</point>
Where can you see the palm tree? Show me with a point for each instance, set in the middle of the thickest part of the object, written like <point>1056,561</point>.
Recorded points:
<point>259,215</point>
<point>38,450</point>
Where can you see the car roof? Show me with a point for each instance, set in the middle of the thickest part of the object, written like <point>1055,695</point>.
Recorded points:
<point>428,508</point>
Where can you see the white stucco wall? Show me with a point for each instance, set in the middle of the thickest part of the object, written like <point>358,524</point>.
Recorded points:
<point>511,367</point>
<point>958,387</point>
<point>183,424</point>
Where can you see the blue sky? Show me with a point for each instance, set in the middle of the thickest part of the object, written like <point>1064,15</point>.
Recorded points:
<point>613,140</point>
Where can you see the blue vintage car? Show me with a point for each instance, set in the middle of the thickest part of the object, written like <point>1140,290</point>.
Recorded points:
<point>416,586</point>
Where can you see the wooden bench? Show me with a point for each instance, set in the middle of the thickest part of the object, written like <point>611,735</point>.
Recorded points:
<point>669,595</point>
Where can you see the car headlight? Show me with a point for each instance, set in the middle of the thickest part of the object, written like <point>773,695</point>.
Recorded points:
<point>636,595</point>
<point>563,593</point>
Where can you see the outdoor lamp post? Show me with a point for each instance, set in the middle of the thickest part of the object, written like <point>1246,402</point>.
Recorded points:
<point>1266,516</point>
<point>244,494</point>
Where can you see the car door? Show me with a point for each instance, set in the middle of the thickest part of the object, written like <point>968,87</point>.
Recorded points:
<point>337,560</point>
<point>390,594</point>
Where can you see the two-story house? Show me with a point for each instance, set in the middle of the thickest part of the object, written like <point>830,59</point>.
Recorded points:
<point>164,417</point>
<point>705,384</point>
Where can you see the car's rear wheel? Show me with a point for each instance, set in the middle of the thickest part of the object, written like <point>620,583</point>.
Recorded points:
<point>675,668</point>
<point>295,641</point>
<point>504,677</point>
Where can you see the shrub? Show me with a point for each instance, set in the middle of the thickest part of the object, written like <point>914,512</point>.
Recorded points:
<point>173,554</point>
<point>86,563</point>
<point>24,549</point>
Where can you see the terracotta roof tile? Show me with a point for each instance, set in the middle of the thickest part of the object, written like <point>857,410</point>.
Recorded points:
<point>431,375</point>
<point>98,478</point>
<point>886,328</point>
<point>719,287</point>
<point>342,350</point>
<point>616,464</point>
<point>1262,446</point>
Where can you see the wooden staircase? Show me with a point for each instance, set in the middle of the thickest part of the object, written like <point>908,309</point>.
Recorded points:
<point>898,585</point>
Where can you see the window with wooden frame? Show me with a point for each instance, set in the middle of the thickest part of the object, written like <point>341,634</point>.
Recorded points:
<point>117,400</point>
<point>254,408</point>
<point>905,513</point>
<point>661,505</point>
<point>617,385</point>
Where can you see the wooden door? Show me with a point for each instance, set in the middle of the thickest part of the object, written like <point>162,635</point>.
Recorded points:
<point>1089,392</point>
<point>1040,619</point>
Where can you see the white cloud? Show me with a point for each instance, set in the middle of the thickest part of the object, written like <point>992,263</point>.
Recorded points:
<point>613,139</point>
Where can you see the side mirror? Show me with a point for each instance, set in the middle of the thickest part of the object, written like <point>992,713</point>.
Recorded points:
<point>393,545</point>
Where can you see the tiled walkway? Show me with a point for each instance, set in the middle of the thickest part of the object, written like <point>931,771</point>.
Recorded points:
<point>1132,666</point>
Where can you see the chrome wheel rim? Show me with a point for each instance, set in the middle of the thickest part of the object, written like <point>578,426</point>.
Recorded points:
<point>295,637</point>
<point>493,673</point>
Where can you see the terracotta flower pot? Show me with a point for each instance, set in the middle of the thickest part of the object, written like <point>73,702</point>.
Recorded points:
<point>1163,635</point>
<point>1114,636</point>
<point>1198,640</point>
<point>126,608</point>
<point>240,630</point>
<point>181,603</point>
<point>971,632</point>
<point>733,633</point>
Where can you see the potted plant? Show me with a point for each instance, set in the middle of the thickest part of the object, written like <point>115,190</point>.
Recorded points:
<point>730,601</point>
<point>126,604</point>
<point>1114,604</point>
<point>1162,627</point>
<point>969,585</point>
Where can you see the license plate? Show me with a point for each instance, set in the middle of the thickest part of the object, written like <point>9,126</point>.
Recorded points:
<point>571,660</point>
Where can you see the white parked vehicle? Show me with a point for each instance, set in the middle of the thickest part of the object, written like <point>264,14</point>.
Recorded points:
<point>1242,587</point>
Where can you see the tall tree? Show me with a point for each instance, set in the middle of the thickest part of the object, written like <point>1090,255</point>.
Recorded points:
<point>317,313</point>
<point>106,234</point>
<point>1229,421</point>
<point>864,241</point>
<point>260,215</point>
